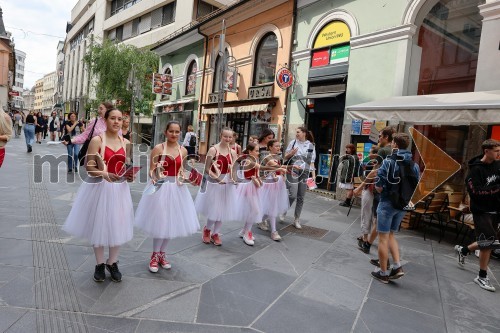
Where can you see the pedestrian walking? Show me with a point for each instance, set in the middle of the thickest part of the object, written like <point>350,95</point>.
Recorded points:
<point>29,131</point>
<point>389,215</point>
<point>190,139</point>
<point>349,169</point>
<point>45,127</point>
<point>483,185</point>
<point>103,212</point>
<point>5,133</point>
<point>54,125</point>
<point>126,128</point>
<point>216,197</point>
<point>72,128</point>
<point>274,195</point>
<point>248,198</point>
<point>39,127</point>
<point>169,212</point>
<point>300,154</point>
<point>18,123</point>
<point>235,146</point>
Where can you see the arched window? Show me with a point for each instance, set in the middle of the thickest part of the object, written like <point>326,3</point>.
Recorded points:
<point>191,78</point>
<point>217,70</point>
<point>449,37</point>
<point>168,71</point>
<point>265,60</point>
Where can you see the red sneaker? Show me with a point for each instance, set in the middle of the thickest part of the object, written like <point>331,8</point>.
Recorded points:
<point>153,264</point>
<point>216,240</point>
<point>206,235</point>
<point>163,261</point>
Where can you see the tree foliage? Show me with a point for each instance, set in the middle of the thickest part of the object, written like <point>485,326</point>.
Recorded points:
<point>110,65</point>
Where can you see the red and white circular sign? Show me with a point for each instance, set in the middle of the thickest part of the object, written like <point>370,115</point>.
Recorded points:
<point>284,78</point>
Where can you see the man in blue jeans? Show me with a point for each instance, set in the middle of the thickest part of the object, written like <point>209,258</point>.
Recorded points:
<point>389,218</point>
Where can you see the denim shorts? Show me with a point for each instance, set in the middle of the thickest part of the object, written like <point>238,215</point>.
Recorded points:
<point>388,217</point>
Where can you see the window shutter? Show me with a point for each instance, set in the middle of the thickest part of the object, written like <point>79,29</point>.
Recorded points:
<point>156,17</point>
<point>112,34</point>
<point>127,30</point>
<point>145,24</point>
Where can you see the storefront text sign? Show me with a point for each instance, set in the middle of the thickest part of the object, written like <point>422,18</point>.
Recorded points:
<point>339,54</point>
<point>333,33</point>
<point>259,92</point>
<point>320,58</point>
<point>213,98</point>
<point>284,78</point>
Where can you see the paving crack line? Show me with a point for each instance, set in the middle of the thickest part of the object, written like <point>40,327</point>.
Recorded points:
<point>157,301</point>
<point>358,315</point>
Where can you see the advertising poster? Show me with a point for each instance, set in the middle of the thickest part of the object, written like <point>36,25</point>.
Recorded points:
<point>366,127</point>
<point>320,58</point>
<point>324,165</point>
<point>380,124</point>
<point>360,147</point>
<point>356,127</point>
<point>162,84</point>
<point>231,76</point>
<point>367,148</point>
<point>339,54</point>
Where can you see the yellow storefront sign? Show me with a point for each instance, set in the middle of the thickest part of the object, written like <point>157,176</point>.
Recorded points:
<point>333,33</point>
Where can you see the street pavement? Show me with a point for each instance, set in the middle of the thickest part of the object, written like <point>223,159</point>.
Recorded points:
<point>315,280</point>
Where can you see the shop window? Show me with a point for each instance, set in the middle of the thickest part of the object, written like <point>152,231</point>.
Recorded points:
<point>191,78</point>
<point>265,60</point>
<point>449,37</point>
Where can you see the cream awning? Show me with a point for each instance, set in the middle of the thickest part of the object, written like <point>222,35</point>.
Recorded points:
<point>179,101</point>
<point>482,107</point>
<point>238,109</point>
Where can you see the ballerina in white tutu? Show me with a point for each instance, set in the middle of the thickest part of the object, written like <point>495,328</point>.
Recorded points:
<point>274,195</point>
<point>103,212</point>
<point>247,193</point>
<point>169,212</point>
<point>216,197</point>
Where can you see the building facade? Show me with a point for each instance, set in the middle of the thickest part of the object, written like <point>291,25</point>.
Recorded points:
<point>356,74</point>
<point>49,85</point>
<point>7,65</point>
<point>141,23</point>
<point>38,104</point>
<point>257,42</point>
<point>29,100</point>
<point>18,87</point>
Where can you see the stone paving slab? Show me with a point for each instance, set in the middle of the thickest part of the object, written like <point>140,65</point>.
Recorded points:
<point>301,284</point>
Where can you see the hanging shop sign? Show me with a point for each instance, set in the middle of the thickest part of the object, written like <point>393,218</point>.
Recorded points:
<point>259,92</point>
<point>339,54</point>
<point>284,78</point>
<point>162,84</point>
<point>213,98</point>
<point>320,58</point>
<point>230,83</point>
<point>336,32</point>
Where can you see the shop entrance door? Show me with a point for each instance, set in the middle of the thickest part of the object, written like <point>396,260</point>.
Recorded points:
<point>326,125</point>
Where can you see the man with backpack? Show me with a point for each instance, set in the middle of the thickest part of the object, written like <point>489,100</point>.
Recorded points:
<point>397,180</point>
<point>190,140</point>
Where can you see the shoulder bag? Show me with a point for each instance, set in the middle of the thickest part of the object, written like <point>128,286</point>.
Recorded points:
<point>85,146</point>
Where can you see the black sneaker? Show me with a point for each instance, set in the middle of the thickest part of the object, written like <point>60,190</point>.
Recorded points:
<point>382,278</point>
<point>360,241</point>
<point>116,276</point>
<point>344,204</point>
<point>100,274</point>
<point>376,262</point>
<point>396,273</point>
<point>29,149</point>
<point>365,247</point>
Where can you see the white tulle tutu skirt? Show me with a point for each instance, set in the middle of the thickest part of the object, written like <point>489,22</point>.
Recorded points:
<point>248,202</point>
<point>167,213</point>
<point>217,202</point>
<point>274,197</point>
<point>102,213</point>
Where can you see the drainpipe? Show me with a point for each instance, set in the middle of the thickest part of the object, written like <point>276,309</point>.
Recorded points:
<point>202,91</point>
<point>284,132</point>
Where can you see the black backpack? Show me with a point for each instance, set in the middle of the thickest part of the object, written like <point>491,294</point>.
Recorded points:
<point>192,140</point>
<point>402,184</point>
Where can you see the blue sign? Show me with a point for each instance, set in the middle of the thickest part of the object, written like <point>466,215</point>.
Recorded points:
<point>356,127</point>
<point>324,165</point>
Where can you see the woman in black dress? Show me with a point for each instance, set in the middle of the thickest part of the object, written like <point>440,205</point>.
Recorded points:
<point>40,122</point>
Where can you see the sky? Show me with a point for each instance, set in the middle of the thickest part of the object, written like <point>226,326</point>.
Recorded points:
<point>30,21</point>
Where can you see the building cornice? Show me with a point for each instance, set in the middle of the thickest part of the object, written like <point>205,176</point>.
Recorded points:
<point>490,11</point>
<point>384,36</point>
<point>301,55</point>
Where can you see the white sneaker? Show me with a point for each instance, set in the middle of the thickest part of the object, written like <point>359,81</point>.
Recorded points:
<point>476,253</point>
<point>275,236</point>
<point>248,238</point>
<point>484,283</point>
<point>263,226</point>
<point>461,257</point>
<point>296,224</point>
<point>282,217</point>
<point>242,233</point>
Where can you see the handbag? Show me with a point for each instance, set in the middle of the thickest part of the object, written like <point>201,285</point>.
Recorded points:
<point>85,146</point>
